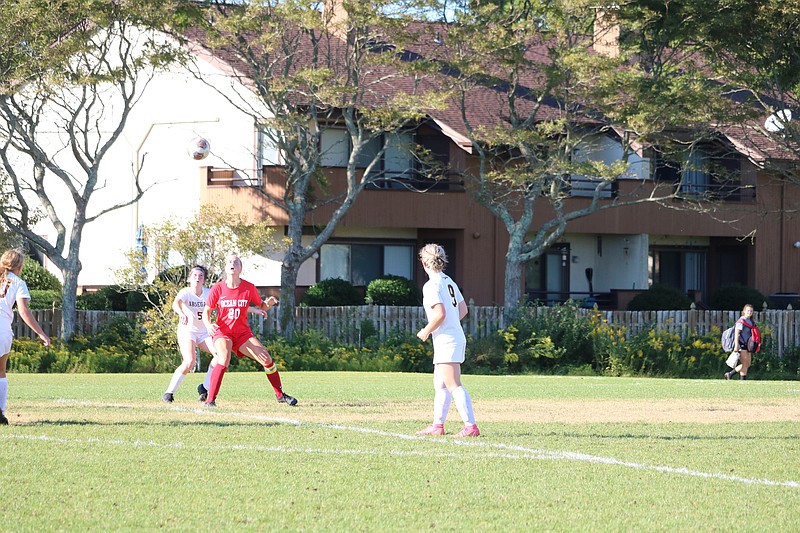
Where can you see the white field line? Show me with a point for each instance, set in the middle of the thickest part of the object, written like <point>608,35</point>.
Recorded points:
<point>493,450</point>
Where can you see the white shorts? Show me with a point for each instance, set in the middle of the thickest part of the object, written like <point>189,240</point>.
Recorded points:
<point>196,335</point>
<point>5,342</point>
<point>448,350</point>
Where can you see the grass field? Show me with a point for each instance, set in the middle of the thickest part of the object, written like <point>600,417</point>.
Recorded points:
<point>90,452</point>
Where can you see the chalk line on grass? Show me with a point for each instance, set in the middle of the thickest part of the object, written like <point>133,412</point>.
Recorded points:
<point>508,451</point>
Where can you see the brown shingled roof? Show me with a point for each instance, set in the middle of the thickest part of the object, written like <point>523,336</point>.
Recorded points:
<point>487,104</point>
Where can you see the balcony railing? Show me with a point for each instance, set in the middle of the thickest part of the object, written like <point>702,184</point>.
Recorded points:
<point>729,192</point>
<point>413,180</point>
<point>228,177</point>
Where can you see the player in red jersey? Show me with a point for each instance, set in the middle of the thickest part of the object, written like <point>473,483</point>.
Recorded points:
<point>231,298</point>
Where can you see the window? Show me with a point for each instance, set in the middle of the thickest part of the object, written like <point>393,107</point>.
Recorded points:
<point>334,147</point>
<point>600,148</point>
<point>360,263</point>
<point>682,268</point>
<point>268,153</point>
<point>708,171</point>
<point>400,167</point>
<point>547,276</point>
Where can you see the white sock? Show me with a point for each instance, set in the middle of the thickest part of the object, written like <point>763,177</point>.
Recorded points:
<point>175,382</point>
<point>464,405</point>
<point>441,401</point>
<point>3,393</point>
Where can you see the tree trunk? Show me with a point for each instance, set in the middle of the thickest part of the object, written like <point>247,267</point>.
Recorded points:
<point>68,302</point>
<point>289,270</point>
<point>512,290</point>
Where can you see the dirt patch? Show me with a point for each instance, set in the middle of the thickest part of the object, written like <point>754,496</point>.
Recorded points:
<point>571,412</point>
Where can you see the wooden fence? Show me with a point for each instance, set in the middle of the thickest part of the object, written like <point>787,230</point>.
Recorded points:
<point>351,324</point>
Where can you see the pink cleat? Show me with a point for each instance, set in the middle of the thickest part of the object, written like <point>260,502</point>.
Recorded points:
<point>468,431</point>
<point>433,429</point>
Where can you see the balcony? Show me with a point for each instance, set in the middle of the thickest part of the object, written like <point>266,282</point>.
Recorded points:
<point>228,177</point>
<point>413,180</point>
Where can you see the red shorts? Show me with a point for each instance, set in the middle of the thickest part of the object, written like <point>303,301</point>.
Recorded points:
<point>238,338</point>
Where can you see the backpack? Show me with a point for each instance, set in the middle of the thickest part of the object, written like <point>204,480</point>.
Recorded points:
<point>753,345</point>
<point>727,339</point>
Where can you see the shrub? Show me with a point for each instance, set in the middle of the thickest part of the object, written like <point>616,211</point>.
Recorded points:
<point>45,299</point>
<point>110,298</point>
<point>39,278</point>
<point>332,292</point>
<point>393,290</point>
<point>114,298</point>
<point>735,297</point>
<point>557,339</point>
<point>660,297</point>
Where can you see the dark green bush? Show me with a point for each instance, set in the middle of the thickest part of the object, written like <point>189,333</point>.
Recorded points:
<point>110,298</point>
<point>393,290</point>
<point>332,292</point>
<point>735,297</point>
<point>137,301</point>
<point>660,297</point>
<point>552,341</point>
<point>113,298</point>
<point>45,299</point>
<point>39,278</point>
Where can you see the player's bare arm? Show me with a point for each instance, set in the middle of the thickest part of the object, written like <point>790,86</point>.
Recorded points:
<point>211,328</point>
<point>183,312</point>
<point>436,320</point>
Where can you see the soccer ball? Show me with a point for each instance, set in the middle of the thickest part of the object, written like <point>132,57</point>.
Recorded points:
<point>199,148</point>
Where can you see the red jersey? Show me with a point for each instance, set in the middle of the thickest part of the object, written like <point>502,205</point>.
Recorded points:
<point>231,306</point>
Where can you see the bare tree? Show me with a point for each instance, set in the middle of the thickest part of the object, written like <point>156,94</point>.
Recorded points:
<point>551,93</point>
<point>65,102</point>
<point>315,67</point>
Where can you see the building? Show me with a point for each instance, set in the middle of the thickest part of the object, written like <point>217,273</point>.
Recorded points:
<point>608,255</point>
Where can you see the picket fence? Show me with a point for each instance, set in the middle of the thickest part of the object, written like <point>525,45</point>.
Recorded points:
<point>352,324</point>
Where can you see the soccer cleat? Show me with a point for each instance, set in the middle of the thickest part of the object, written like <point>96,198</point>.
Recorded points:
<point>727,375</point>
<point>289,400</point>
<point>168,397</point>
<point>433,429</point>
<point>201,390</point>
<point>468,431</point>
<point>212,403</point>
<point>3,419</point>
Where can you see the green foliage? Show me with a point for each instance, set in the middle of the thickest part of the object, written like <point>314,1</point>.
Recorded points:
<point>207,239</point>
<point>659,353</point>
<point>113,298</point>
<point>332,292</point>
<point>39,278</point>
<point>530,344</point>
<point>310,350</point>
<point>735,297</point>
<point>393,290</point>
<point>559,338</point>
<point>660,297</point>
<point>45,299</point>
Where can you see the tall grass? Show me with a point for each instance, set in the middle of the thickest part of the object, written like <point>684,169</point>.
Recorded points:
<point>90,452</point>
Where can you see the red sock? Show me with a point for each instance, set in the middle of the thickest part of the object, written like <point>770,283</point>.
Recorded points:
<point>216,382</point>
<point>274,379</point>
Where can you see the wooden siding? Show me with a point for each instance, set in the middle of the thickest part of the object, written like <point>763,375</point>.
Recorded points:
<point>757,223</point>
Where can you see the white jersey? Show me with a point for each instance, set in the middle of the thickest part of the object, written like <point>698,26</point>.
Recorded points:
<point>449,341</point>
<point>12,288</point>
<point>196,304</point>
